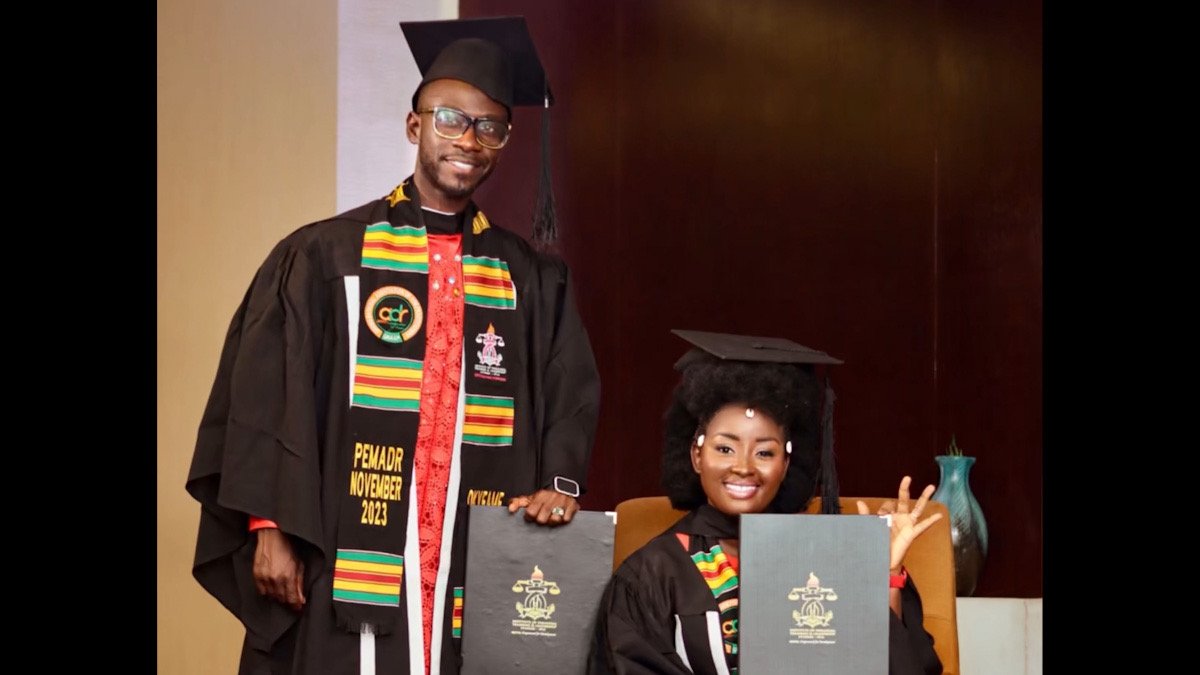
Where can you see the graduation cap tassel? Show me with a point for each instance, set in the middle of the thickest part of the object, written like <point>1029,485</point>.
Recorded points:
<point>829,479</point>
<point>545,225</point>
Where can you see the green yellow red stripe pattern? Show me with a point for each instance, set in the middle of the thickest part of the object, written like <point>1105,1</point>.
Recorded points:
<point>487,283</point>
<point>488,420</point>
<point>367,577</point>
<point>716,570</point>
<point>456,625</point>
<point>722,580</point>
<point>400,249</point>
<point>385,383</point>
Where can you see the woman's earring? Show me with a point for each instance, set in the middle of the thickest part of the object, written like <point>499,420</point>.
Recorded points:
<point>749,412</point>
<point>788,447</point>
<point>700,441</point>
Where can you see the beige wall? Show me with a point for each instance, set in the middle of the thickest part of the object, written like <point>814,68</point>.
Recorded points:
<point>247,101</point>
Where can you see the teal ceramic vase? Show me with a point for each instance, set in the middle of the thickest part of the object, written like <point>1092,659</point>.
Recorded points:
<point>968,529</point>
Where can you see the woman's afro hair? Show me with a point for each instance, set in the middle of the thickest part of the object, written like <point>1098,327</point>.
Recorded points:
<point>788,393</point>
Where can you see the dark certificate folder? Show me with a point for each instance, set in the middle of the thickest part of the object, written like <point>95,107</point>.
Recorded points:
<point>814,595</point>
<point>532,592</point>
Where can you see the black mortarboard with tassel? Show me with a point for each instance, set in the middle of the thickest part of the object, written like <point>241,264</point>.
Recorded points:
<point>496,56</point>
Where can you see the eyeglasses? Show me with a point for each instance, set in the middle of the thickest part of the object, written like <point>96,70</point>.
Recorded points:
<point>450,123</point>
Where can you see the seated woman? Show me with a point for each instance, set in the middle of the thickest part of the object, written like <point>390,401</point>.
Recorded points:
<point>741,437</point>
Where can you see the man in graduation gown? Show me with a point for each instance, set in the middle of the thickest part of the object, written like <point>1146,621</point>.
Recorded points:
<point>388,368</point>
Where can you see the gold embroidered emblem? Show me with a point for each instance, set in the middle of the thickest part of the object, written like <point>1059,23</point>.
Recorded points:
<point>813,619</point>
<point>535,611</point>
<point>397,195</point>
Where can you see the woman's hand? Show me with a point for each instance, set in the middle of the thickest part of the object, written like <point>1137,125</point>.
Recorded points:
<point>906,523</point>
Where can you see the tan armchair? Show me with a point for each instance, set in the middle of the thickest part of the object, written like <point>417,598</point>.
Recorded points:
<point>930,560</point>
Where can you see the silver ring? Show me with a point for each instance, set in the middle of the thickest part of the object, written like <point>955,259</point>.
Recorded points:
<point>558,511</point>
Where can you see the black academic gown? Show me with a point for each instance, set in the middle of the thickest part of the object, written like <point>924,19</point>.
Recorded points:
<point>653,617</point>
<point>279,405</point>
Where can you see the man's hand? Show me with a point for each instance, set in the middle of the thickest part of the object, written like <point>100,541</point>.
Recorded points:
<point>278,572</point>
<point>546,507</point>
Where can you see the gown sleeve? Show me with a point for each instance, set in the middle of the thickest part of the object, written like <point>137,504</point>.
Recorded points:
<point>256,451</point>
<point>635,629</point>
<point>910,648</point>
<point>572,383</point>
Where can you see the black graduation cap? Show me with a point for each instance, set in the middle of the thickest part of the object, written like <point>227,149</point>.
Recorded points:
<point>496,56</point>
<point>730,347</point>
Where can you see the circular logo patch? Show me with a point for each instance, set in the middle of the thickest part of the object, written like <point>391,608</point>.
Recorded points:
<point>393,314</point>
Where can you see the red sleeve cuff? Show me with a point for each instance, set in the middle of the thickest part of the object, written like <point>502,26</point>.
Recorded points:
<point>261,524</point>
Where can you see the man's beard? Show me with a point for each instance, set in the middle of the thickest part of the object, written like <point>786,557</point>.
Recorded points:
<point>454,189</point>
